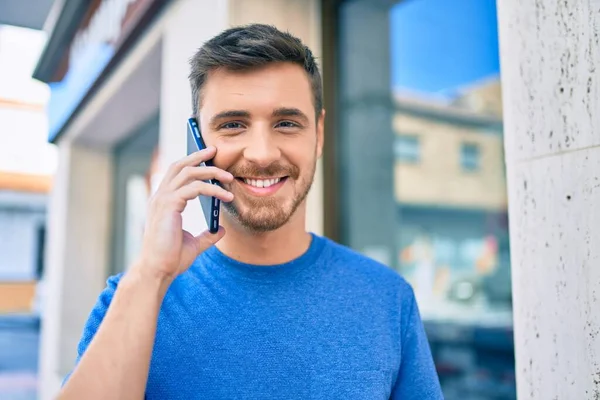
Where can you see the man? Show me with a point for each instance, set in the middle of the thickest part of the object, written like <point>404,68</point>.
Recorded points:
<point>262,309</point>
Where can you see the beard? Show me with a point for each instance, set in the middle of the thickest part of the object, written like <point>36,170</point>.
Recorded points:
<point>264,214</point>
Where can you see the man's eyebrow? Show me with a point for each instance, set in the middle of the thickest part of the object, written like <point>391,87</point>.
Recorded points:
<point>229,114</point>
<point>290,112</point>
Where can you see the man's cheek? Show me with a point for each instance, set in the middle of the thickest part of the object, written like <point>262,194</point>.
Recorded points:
<point>223,159</point>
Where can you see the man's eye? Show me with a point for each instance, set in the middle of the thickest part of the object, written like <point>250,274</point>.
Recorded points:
<point>287,124</point>
<point>232,125</point>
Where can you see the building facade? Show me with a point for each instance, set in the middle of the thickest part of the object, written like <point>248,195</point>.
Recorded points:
<point>26,162</point>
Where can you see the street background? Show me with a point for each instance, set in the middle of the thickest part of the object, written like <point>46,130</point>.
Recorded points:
<point>422,157</point>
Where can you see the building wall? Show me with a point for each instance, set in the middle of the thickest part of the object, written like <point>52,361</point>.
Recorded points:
<point>76,258</point>
<point>438,179</point>
<point>17,297</point>
<point>22,215</point>
<point>19,243</point>
<point>551,91</point>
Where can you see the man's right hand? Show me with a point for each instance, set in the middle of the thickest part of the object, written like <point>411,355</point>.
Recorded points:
<point>116,361</point>
<point>167,249</point>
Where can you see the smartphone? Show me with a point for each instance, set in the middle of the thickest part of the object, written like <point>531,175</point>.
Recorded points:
<point>211,206</point>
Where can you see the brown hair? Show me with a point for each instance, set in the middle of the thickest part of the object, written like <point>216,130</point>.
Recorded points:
<point>248,47</point>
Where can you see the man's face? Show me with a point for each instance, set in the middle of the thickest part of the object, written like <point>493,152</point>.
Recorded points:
<point>264,127</point>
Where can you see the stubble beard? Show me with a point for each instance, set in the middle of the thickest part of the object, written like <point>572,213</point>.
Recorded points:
<point>267,214</point>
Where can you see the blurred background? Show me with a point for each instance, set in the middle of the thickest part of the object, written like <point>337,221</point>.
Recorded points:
<point>93,101</point>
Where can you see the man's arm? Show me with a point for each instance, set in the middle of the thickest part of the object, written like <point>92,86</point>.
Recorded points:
<point>116,362</point>
<point>417,378</point>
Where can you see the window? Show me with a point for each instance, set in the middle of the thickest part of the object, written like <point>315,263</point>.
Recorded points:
<point>407,148</point>
<point>470,157</point>
<point>40,246</point>
<point>419,154</point>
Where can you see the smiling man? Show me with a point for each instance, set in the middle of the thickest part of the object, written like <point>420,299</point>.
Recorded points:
<point>262,309</point>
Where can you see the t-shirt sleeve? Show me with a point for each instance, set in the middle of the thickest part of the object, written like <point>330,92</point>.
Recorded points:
<point>95,318</point>
<point>417,378</point>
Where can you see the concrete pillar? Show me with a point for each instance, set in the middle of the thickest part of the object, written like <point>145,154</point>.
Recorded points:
<point>188,24</point>
<point>306,25</point>
<point>551,89</point>
<point>367,139</point>
<point>77,258</point>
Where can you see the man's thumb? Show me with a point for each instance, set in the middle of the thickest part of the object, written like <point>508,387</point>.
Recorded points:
<point>206,239</point>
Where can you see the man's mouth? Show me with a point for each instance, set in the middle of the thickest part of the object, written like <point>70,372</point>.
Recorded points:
<point>262,186</point>
<point>262,183</point>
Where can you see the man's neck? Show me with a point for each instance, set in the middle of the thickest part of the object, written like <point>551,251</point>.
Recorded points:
<point>267,248</point>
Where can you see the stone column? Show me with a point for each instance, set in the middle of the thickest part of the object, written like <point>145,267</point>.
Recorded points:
<point>77,258</point>
<point>550,52</point>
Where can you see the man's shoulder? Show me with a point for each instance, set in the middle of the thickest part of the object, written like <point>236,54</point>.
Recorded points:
<point>108,292</point>
<point>113,281</point>
<point>351,264</point>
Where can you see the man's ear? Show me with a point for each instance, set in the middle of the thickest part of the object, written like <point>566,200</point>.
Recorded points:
<point>320,133</point>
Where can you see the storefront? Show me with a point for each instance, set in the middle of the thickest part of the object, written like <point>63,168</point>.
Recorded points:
<point>412,174</point>
<point>421,174</point>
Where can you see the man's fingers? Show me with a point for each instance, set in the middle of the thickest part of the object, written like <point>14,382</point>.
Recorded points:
<point>193,159</point>
<point>206,239</point>
<point>197,188</point>
<point>190,174</point>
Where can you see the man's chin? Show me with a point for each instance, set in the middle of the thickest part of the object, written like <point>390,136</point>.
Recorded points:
<point>259,219</point>
<point>262,225</point>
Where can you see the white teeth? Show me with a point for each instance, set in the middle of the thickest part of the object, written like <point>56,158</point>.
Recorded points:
<point>261,183</point>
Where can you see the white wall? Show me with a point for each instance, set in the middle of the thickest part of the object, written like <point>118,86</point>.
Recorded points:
<point>188,24</point>
<point>77,257</point>
<point>551,89</point>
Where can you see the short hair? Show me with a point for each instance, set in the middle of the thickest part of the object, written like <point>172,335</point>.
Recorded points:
<point>249,47</point>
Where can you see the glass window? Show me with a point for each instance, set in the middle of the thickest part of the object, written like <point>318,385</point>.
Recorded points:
<point>133,158</point>
<point>419,87</point>
<point>469,156</point>
<point>406,148</point>
<point>40,246</point>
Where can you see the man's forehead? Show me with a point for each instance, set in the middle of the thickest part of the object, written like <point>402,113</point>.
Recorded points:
<point>286,69</point>
<point>272,85</point>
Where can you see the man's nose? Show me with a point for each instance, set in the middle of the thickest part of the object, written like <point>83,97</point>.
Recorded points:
<point>262,148</point>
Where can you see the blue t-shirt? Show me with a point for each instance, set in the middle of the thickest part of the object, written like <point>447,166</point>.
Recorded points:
<point>331,324</point>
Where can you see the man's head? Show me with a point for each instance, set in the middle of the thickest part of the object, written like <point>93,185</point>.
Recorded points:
<point>256,92</point>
